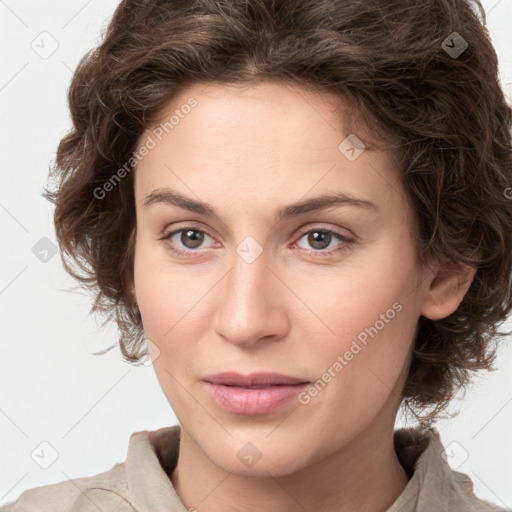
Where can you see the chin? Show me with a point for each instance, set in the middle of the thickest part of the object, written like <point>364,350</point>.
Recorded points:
<point>257,458</point>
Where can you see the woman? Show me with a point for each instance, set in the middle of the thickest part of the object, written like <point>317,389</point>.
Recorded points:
<point>286,205</point>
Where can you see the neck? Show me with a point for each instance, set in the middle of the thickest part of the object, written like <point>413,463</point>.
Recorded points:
<point>363,476</point>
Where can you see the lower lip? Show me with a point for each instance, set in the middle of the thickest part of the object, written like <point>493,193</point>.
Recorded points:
<point>253,401</point>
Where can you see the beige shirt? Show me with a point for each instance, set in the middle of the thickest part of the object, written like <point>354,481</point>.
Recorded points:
<point>141,483</point>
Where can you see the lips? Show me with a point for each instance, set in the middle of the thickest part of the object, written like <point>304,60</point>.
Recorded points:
<point>257,393</point>
<point>254,380</point>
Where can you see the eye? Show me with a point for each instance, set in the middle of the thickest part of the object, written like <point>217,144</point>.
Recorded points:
<point>191,238</point>
<point>320,239</point>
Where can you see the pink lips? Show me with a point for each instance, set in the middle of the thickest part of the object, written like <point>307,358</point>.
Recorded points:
<point>257,393</point>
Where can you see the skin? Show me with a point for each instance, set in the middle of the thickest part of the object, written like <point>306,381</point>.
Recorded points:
<point>249,151</point>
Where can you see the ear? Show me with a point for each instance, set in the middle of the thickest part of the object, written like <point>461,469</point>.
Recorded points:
<point>447,289</point>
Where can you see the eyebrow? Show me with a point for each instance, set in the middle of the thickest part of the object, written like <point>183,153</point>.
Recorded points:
<point>168,196</point>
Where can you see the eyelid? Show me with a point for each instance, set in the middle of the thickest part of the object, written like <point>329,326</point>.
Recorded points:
<point>188,226</point>
<point>348,241</point>
<point>298,233</point>
<point>309,227</point>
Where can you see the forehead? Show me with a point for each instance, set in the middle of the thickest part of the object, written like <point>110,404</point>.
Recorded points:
<point>262,139</point>
<point>270,112</point>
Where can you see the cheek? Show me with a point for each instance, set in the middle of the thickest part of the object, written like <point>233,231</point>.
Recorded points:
<point>171,299</point>
<point>161,288</point>
<point>156,290</point>
<point>360,373</point>
<point>371,314</point>
<point>363,293</point>
<point>370,347</point>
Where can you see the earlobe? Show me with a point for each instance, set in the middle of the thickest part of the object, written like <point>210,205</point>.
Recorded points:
<point>447,289</point>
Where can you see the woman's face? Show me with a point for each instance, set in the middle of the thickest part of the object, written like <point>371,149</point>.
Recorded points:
<point>329,296</point>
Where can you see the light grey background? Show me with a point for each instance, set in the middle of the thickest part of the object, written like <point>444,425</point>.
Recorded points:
<point>52,389</point>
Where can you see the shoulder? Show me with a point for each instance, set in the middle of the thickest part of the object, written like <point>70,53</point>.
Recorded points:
<point>433,484</point>
<point>103,491</point>
<point>141,482</point>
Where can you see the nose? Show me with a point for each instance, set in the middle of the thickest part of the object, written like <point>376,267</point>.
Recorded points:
<point>251,303</point>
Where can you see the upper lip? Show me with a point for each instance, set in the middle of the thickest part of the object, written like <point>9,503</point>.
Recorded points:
<point>253,379</point>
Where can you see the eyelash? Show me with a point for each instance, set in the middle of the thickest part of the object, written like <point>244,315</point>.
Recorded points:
<point>315,253</point>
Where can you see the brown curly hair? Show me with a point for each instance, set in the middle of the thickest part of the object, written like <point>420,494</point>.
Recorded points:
<point>446,114</point>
